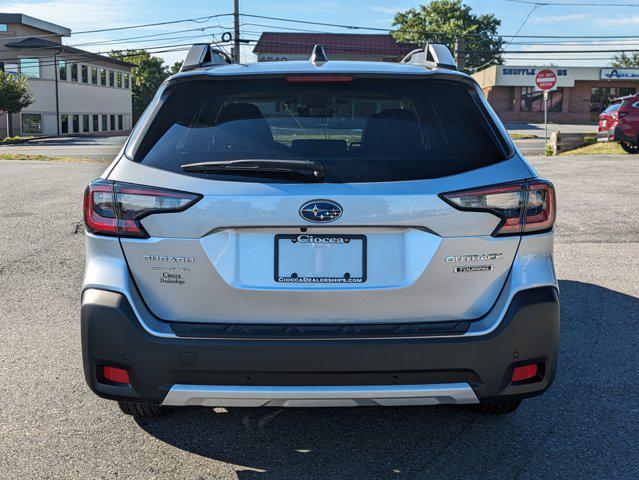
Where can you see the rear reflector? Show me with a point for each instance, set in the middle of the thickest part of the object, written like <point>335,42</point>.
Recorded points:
<point>115,374</point>
<point>524,207</point>
<point>115,208</point>
<point>319,79</point>
<point>525,372</point>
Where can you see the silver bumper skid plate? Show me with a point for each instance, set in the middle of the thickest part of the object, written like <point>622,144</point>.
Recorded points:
<point>319,396</point>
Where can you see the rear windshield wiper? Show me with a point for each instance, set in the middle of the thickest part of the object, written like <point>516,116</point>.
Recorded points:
<point>262,167</point>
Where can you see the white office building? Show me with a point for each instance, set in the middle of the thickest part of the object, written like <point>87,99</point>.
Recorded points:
<point>75,91</point>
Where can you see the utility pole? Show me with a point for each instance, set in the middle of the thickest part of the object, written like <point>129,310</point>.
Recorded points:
<point>236,31</point>
<point>459,53</point>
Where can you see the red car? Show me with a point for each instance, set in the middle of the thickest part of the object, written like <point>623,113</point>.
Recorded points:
<point>620,123</point>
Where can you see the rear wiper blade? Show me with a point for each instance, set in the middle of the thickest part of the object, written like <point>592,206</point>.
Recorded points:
<point>298,168</point>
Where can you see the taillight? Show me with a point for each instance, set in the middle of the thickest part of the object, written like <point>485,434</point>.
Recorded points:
<point>319,79</point>
<point>524,207</point>
<point>116,208</point>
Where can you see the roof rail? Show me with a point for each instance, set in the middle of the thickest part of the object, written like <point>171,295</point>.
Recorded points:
<point>433,55</point>
<point>318,55</point>
<point>204,55</point>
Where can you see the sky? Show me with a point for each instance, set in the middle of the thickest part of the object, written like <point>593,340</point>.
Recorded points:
<point>82,15</point>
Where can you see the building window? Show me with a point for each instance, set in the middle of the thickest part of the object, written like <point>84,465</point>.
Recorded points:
<point>30,67</point>
<point>532,101</point>
<point>104,123</point>
<point>103,76</point>
<point>601,97</point>
<point>85,123</point>
<point>94,75</point>
<point>85,73</point>
<point>62,69</point>
<point>10,68</point>
<point>3,27</point>
<point>31,123</point>
<point>111,78</point>
<point>96,123</point>
<point>75,121</point>
<point>64,123</point>
<point>120,122</point>
<point>118,78</point>
<point>74,72</point>
<point>126,80</point>
<point>112,124</point>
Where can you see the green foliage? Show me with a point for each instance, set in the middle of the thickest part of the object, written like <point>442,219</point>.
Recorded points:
<point>175,68</point>
<point>445,21</point>
<point>14,93</point>
<point>625,60</point>
<point>147,75</point>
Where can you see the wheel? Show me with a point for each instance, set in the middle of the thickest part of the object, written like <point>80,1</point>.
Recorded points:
<point>497,408</point>
<point>630,147</point>
<point>142,410</point>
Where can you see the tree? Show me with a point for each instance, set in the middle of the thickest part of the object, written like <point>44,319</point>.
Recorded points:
<point>625,60</point>
<point>147,75</point>
<point>175,68</point>
<point>445,21</point>
<point>14,96</point>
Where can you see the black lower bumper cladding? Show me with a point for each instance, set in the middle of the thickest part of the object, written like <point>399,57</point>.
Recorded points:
<point>112,335</point>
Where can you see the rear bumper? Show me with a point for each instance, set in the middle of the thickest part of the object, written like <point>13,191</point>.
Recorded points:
<point>320,396</point>
<point>615,134</point>
<point>314,372</point>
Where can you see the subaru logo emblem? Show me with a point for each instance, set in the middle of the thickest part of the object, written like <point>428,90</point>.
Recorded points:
<point>320,211</point>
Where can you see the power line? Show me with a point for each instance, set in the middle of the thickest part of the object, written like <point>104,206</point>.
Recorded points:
<point>528,52</point>
<point>77,57</point>
<point>557,4</point>
<point>357,27</point>
<point>129,27</point>
<point>281,27</point>
<point>123,39</point>
<point>522,24</point>
<point>153,49</point>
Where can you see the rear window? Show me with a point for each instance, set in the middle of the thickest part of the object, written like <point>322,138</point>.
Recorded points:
<point>366,130</point>
<point>612,108</point>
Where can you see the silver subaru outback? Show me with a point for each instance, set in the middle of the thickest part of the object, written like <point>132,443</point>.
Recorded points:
<point>319,233</point>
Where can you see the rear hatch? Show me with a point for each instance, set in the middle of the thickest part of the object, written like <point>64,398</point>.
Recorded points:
<point>608,117</point>
<point>368,238</point>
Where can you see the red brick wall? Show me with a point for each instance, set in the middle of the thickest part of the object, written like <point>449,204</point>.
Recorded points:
<point>500,98</point>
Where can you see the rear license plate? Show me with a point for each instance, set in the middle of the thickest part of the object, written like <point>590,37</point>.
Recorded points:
<point>320,258</point>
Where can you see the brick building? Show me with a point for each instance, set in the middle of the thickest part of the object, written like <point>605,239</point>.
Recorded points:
<point>281,46</point>
<point>581,94</point>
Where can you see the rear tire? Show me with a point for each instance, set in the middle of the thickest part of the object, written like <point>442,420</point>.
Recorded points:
<point>630,147</point>
<point>142,410</point>
<point>496,408</point>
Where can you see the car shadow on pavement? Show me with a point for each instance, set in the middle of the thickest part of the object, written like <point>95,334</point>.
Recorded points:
<point>561,434</point>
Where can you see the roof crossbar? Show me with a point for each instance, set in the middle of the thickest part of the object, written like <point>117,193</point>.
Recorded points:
<point>433,55</point>
<point>202,55</point>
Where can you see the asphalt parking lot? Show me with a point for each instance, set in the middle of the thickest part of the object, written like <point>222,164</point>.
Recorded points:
<point>88,146</point>
<point>586,426</point>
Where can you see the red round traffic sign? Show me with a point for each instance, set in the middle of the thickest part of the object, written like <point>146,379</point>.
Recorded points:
<point>546,80</point>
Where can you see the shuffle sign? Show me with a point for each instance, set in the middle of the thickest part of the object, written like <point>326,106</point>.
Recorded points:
<point>546,80</point>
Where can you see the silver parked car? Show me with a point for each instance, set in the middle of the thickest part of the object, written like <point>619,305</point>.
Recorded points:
<point>319,233</point>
